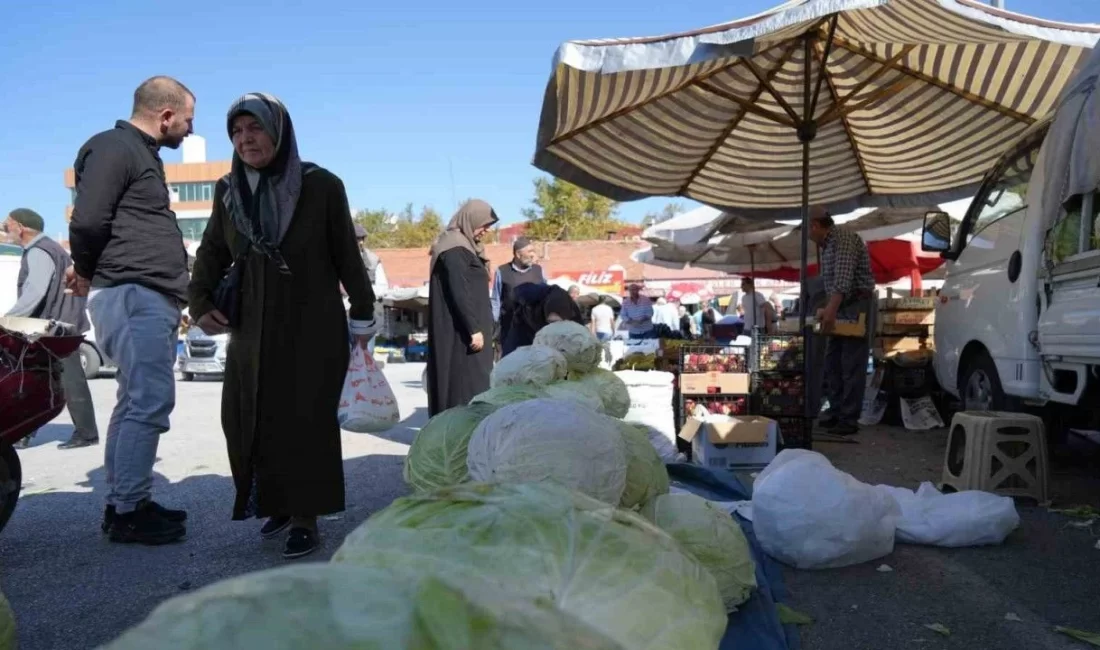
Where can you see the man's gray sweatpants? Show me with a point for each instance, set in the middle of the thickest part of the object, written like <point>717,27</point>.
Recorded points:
<point>78,398</point>
<point>137,329</point>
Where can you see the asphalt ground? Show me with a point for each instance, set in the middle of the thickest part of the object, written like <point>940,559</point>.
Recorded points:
<point>72,589</point>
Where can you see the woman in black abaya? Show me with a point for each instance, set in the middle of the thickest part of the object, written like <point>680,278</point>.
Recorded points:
<point>460,317</point>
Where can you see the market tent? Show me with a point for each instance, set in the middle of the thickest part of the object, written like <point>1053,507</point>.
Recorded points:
<point>688,227</point>
<point>411,298</point>
<point>900,102</point>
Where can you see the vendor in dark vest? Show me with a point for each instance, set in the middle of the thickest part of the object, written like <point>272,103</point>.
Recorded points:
<point>41,294</point>
<point>521,270</point>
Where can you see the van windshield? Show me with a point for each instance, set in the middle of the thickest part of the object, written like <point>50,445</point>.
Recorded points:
<point>1006,193</point>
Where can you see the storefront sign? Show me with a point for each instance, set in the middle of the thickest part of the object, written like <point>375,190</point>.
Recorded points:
<point>609,282</point>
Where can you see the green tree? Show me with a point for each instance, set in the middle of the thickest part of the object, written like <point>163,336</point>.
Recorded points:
<point>669,211</point>
<point>563,211</point>
<point>404,229</point>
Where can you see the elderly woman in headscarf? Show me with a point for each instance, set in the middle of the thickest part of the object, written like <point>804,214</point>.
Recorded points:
<point>460,315</point>
<point>536,306</point>
<point>288,226</point>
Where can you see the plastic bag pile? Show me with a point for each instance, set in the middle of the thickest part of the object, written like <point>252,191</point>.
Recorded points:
<point>539,520</point>
<point>810,515</point>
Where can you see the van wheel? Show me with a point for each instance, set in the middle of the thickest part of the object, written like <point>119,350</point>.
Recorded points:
<point>89,361</point>
<point>188,376</point>
<point>980,385</point>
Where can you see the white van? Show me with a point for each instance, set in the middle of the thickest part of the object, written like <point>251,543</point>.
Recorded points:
<point>1018,319</point>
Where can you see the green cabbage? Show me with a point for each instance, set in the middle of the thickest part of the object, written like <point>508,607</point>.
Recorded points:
<point>350,608</point>
<point>437,457</point>
<point>646,476</point>
<point>606,566</point>
<point>536,365</point>
<point>505,395</point>
<point>550,440</point>
<point>575,392</point>
<point>7,625</point>
<point>713,537</point>
<point>612,391</point>
<point>582,350</point>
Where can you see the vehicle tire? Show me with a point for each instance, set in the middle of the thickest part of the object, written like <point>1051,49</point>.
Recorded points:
<point>980,385</point>
<point>188,376</point>
<point>11,482</point>
<point>89,360</point>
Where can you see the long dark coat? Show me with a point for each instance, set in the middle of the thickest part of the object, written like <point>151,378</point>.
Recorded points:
<point>286,365</point>
<point>458,307</point>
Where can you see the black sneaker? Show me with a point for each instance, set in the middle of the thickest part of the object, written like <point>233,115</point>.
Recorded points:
<point>273,526</point>
<point>300,542</point>
<point>174,516</point>
<point>828,422</point>
<point>145,526</point>
<point>77,443</point>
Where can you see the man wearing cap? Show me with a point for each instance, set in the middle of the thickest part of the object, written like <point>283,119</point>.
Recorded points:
<point>637,314</point>
<point>41,294</point>
<point>521,270</point>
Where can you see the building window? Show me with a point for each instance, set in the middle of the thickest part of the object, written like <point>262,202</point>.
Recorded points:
<point>192,227</point>
<point>191,191</point>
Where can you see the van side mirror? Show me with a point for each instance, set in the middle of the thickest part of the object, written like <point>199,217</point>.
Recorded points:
<point>936,237</point>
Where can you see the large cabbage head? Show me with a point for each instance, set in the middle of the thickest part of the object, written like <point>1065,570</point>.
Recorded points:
<point>606,566</point>
<point>550,440</point>
<point>582,350</point>
<point>437,457</point>
<point>505,395</point>
<point>7,625</point>
<point>353,608</point>
<point>535,365</point>
<point>713,537</point>
<point>646,476</point>
<point>611,390</point>
<point>575,392</point>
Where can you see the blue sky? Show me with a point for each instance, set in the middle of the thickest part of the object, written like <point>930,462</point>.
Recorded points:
<point>390,96</point>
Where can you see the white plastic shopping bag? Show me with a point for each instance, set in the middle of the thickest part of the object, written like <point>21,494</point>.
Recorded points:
<point>810,515</point>
<point>969,518</point>
<point>367,404</point>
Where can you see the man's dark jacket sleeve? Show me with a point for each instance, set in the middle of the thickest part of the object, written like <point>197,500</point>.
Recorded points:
<point>102,172</point>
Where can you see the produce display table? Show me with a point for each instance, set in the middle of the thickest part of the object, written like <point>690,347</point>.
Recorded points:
<point>756,623</point>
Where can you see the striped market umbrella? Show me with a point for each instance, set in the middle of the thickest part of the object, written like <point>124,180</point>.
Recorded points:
<point>839,103</point>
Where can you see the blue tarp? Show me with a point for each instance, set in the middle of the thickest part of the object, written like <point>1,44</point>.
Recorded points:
<point>756,623</point>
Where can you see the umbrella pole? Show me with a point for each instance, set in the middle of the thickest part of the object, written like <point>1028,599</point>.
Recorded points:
<point>752,270</point>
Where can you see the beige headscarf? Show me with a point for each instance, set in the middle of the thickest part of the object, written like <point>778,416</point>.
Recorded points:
<point>472,215</point>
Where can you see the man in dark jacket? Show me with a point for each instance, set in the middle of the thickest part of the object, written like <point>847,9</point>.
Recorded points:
<point>129,258</point>
<point>535,307</point>
<point>41,294</point>
<point>521,270</point>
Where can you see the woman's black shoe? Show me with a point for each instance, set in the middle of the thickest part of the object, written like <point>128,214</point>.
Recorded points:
<point>273,526</point>
<point>300,542</point>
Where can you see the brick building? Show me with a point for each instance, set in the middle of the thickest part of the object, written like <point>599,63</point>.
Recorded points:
<point>408,267</point>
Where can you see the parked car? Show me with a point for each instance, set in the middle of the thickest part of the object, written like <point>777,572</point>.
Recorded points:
<point>202,354</point>
<point>92,358</point>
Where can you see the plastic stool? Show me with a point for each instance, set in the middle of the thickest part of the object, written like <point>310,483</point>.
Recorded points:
<point>998,452</point>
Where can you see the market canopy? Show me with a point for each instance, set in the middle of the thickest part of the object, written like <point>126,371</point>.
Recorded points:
<point>902,102</point>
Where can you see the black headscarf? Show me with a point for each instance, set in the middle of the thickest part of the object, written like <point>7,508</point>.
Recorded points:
<point>264,215</point>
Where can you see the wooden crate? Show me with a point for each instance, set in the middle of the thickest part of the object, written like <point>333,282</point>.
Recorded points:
<point>907,317</point>
<point>926,303</point>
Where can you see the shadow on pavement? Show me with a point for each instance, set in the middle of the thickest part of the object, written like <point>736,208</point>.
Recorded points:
<point>72,589</point>
<point>51,433</point>
<point>405,430</point>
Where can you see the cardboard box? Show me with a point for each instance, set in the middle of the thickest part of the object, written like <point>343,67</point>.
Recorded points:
<point>737,443</point>
<point>706,383</point>
<point>926,303</point>
<point>886,346</point>
<point>908,317</point>
<point>856,328</point>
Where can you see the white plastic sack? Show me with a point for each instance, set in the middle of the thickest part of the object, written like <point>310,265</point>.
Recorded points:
<point>367,403</point>
<point>651,405</point>
<point>970,518</point>
<point>810,515</point>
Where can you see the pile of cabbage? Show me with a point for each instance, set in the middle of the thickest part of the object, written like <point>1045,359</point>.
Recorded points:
<point>539,519</point>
